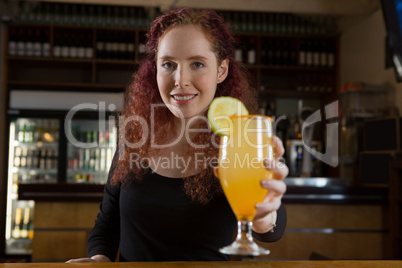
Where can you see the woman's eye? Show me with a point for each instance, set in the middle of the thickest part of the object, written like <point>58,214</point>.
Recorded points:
<point>198,64</point>
<point>167,65</point>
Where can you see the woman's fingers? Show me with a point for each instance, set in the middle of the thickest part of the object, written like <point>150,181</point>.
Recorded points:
<point>279,150</point>
<point>274,187</point>
<point>265,208</point>
<point>279,169</point>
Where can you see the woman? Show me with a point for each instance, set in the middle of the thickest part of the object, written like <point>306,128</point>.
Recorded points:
<point>162,201</point>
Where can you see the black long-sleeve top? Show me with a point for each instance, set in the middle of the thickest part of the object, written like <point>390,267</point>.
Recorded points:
<point>154,220</point>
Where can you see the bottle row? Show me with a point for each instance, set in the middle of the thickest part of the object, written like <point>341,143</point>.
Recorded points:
<point>43,159</point>
<point>89,177</point>
<point>95,159</point>
<point>22,223</point>
<point>73,44</point>
<point>86,15</point>
<point>287,52</point>
<point>309,83</point>
<point>141,17</point>
<point>279,23</point>
<point>32,42</point>
<point>38,130</point>
<point>102,138</point>
<point>78,43</point>
<point>37,177</point>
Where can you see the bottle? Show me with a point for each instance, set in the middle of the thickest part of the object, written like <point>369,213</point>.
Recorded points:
<point>24,155</point>
<point>270,53</point>
<point>29,159</point>
<point>109,16</point>
<point>35,158</point>
<point>251,56</point>
<point>89,51</point>
<point>29,50</point>
<point>130,47</point>
<point>302,53</point>
<point>56,14</point>
<point>238,54</point>
<point>108,47</point>
<point>21,42</point>
<point>28,134</point>
<point>316,53</point>
<point>278,53</point>
<point>309,54</point>
<point>258,20</point>
<point>12,41</point>
<point>17,157</point>
<point>47,14</point>
<point>26,222</point>
<point>21,132</point>
<point>57,45</point>
<point>141,47</point>
<point>90,17</point>
<point>42,159</point>
<point>17,224</point>
<point>285,52</point>
<point>37,43</point>
<point>80,43</point>
<point>250,22</point>
<point>323,54</point>
<point>100,45</point>
<point>115,46</point>
<point>65,14</point>
<point>65,43</point>
<point>122,47</point>
<point>54,130</point>
<point>244,23</point>
<point>292,53</point>
<point>331,55</point>
<point>49,159</point>
<point>73,45</point>
<point>45,41</point>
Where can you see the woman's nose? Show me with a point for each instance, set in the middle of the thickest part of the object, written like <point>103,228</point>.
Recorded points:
<point>182,78</point>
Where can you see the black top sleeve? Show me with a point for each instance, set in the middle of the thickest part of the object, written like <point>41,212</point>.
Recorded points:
<point>278,231</point>
<point>104,238</point>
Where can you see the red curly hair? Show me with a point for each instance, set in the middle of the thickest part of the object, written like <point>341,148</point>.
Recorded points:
<point>143,92</point>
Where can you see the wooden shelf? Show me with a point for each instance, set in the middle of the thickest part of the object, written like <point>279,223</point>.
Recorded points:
<point>292,93</point>
<point>35,85</point>
<point>77,60</point>
<point>293,68</point>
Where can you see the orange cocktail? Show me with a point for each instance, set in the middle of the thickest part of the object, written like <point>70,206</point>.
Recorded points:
<point>241,165</point>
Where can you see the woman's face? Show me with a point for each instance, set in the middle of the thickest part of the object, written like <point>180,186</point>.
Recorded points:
<point>188,71</point>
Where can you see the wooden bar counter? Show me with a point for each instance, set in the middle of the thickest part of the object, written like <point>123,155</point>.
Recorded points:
<point>239,264</point>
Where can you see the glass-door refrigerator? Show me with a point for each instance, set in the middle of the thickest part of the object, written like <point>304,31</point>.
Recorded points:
<point>90,149</point>
<point>33,156</point>
<point>51,145</point>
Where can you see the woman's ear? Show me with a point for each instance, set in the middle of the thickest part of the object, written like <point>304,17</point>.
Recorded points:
<point>223,70</point>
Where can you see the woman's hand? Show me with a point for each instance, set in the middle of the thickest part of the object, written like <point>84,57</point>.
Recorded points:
<point>95,258</point>
<point>265,218</point>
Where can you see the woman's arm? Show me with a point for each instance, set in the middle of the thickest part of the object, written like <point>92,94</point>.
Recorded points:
<point>96,258</point>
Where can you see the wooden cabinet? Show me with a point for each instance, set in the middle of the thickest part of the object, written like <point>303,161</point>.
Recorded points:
<point>395,206</point>
<point>332,231</point>
<point>62,229</point>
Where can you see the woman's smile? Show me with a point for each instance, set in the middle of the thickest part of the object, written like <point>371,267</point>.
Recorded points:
<point>184,98</point>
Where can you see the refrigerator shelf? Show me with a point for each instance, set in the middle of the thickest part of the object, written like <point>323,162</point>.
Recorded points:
<point>36,144</point>
<point>34,171</point>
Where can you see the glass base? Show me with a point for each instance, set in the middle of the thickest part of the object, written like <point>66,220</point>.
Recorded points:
<point>245,248</point>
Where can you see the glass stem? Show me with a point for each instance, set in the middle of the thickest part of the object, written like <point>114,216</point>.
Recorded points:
<point>244,231</point>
